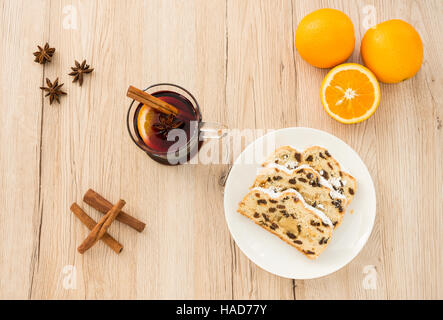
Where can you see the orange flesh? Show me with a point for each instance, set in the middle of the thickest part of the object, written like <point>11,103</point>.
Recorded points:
<point>362,90</point>
<point>144,122</point>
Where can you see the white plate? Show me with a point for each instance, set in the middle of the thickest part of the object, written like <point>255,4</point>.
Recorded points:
<point>272,254</point>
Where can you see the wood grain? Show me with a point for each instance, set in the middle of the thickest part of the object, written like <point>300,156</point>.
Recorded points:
<point>238,59</point>
<point>22,24</point>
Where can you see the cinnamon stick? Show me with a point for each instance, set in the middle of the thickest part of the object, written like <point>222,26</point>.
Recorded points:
<point>151,101</point>
<point>101,227</point>
<point>90,224</point>
<point>99,203</point>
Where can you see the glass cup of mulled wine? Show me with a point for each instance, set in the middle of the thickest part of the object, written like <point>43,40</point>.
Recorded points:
<point>170,139</point>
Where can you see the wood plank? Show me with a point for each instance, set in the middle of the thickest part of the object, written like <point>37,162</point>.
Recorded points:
<point>20,126</point>
<point>347,282</point>
<point>213,257</point>
<point>83,147</point>
<point>260,94</point>
<point>381,143</point>
<point>409,152</point>
<point>166,257</point>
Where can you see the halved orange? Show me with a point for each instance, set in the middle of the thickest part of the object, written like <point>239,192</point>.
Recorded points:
<point>350,93</point>
<point>144,122</point>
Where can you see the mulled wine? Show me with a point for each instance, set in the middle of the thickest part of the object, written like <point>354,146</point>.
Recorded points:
<point>153,127</point>
<point>169,138</point>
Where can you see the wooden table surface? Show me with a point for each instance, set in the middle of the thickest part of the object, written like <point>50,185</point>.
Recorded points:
<point>238,59</point>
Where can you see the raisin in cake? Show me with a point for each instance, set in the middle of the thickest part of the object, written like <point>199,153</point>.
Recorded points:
<point>289,217</point>
<point>320,160</point>
<point>315,190</point>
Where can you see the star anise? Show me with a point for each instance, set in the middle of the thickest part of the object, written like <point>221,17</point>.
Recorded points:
<point>44,54</point>
<point>166,124</point>
<point>79,70</point>
<point>53,90</point>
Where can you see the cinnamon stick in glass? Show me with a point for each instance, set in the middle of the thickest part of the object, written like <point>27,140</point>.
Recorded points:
<point>151,101</point>
<point>101,227</point>
<point>99,203</point>
<point>90,224</point>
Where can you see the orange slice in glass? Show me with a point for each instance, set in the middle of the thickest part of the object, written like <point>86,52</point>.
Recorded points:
<point>350,93</point>
<point>144,122</point>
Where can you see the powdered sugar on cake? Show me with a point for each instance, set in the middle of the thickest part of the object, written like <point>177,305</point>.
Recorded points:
<point>333,193</point>
<point>275,194</point>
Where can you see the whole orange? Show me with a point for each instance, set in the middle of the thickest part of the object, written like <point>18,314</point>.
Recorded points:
<point>393,51</point>
<point>325,38</point>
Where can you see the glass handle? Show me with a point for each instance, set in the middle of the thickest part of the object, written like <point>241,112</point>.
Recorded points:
<point>212,130</point>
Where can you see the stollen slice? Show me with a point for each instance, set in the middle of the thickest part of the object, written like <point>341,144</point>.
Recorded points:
<point>314,189</point>
<point>289,217</point>
<point>319,159</point>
